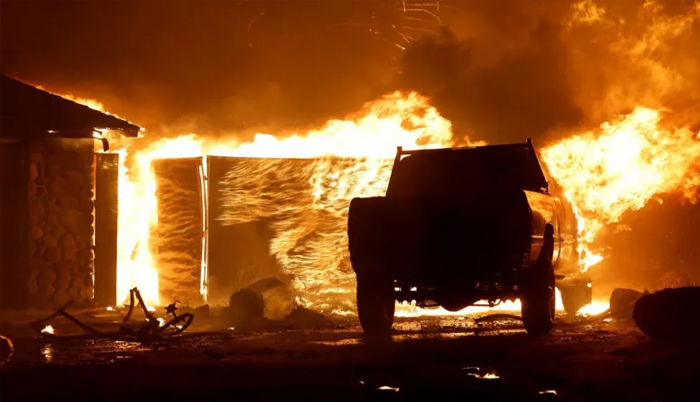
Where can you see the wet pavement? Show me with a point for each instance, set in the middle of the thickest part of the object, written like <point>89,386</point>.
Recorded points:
<point>427,358</point>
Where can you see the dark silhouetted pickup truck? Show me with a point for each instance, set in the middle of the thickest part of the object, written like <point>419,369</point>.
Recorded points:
<point>462,225</point>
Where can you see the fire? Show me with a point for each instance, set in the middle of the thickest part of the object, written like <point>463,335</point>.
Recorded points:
<point>595,308</point>
<point>370,137</point>
<point>621,167</point>
<point>604,173</point>
<point>91,103</point>
<point>487,376</point>
<point>48,330</point>
<point>138,217</point>
<point>410,310</point>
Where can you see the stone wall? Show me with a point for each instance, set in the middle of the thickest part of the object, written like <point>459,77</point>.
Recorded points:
<point>61,214</point>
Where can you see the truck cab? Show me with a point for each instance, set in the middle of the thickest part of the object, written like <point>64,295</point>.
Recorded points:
<point>460,225</point>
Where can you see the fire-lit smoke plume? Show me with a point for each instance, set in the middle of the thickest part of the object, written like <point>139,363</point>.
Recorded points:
<point>545,69</point>
<point>536,69</point>
<point>306,203</point>
<point>648,55</point>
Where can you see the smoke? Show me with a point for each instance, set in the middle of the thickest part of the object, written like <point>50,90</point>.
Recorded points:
<point>503,73</point>
<point>523,94</point>
<point>500,71</point>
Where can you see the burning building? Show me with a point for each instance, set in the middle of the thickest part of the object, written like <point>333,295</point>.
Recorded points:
<point>58,199</point>
<point>278,207</point>
<point>199,217</point>
<point>214,216</point>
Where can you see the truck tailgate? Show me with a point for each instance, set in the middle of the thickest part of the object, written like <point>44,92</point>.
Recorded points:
<point>428,236</point>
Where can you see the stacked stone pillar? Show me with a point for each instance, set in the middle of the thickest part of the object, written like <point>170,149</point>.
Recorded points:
<point>61,215</point>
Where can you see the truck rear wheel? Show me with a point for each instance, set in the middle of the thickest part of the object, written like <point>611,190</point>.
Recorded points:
<point>538,298</point>
<point>375,305</point>
<point>538,302</point>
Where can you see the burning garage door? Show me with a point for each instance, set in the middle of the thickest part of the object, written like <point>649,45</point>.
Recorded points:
<point>179,243</point>
<point>264,217</point>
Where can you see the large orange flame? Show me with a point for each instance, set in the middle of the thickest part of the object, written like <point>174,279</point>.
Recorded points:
<point>604,173</point>
<point>371,135</point>
<point>620,167</point>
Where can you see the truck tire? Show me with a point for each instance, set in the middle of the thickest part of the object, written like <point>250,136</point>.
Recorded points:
<point>575,296</point>
<point>375,305</point>
<point>538,299</point>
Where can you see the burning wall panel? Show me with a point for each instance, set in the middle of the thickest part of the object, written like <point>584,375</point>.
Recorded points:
<point>248,200</point>
<point>297,208</point>
<point>180,231</point>
<point>266,217</point>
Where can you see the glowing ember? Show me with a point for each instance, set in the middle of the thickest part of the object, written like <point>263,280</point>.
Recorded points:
<point>388,388</point>
<point>621,167</point>
<point>47,352</point>
<point>476,372</point>
<point>595,308</point>
<point>487,376</point>
<point>48,330</point>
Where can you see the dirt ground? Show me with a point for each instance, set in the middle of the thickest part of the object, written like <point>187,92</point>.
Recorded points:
<point>427,358</point>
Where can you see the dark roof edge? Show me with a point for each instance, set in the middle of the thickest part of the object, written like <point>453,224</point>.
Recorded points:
<point>129,129</point>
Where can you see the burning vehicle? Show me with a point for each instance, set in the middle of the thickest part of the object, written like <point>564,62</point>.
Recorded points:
<point>460,225</point>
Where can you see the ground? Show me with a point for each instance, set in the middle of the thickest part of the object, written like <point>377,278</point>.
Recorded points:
<point>427,358</point>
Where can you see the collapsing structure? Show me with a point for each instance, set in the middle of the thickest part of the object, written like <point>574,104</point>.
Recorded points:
<point>58,199</point>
